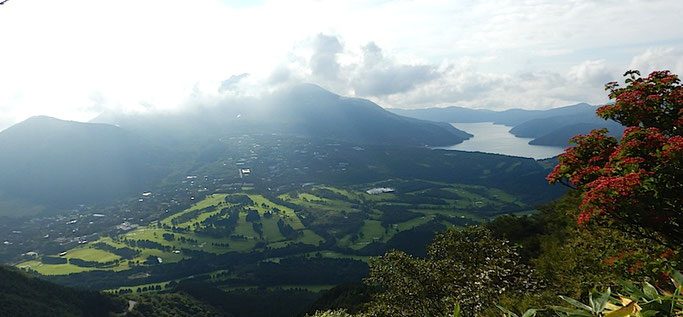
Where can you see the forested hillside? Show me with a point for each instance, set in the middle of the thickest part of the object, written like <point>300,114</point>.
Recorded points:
<point>613,242</point>
<point>21,295</point>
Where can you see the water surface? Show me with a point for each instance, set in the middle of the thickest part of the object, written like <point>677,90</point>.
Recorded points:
<point>495,138</point>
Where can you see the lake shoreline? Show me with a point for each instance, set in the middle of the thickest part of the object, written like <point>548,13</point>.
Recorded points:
<point>497,139</point>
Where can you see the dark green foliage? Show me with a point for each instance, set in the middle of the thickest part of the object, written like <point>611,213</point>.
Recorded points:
<point>252,215</point>
<point>259,302</point>
<point>189,215</point>
<point>287,231</point>
<point>413,241</point>
<point>258,228</point>
<point>21,295</point>
<point>351,297</point>
<point>239,200</point>
<point>221,225</point>
<point>83,263</point>
<point>312,271</point>
<point>124,253</point>
<point>550,223</point>
<point>468,267</point>
<point>396,214</point>
<point>170,305</point>
<point>147,244</point>
<point>53,260</point>
<point>151,260</point>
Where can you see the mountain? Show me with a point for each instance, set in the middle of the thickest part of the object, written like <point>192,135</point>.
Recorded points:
<point>561,135</point>
<point>511,117</point>
<point>47,161</point>
<point>22,295</point>
<point>449,114</point>
<point>306,109</point>
<point>557,130</point>
<point>551,127</point>
<point>536,128</point>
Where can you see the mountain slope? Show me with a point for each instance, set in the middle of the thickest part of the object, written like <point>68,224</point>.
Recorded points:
<point>561,135</point>
<point>62,163</point>
<point>21,295</point>
<point>540,127</point>
<point>509,117</point>
<point>551,127</point>
<point>306,109</point>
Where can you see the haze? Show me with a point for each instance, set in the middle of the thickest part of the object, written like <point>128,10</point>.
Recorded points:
<point>76,59</point>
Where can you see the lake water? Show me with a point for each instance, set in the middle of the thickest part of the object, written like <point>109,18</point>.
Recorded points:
<point>495,138</point>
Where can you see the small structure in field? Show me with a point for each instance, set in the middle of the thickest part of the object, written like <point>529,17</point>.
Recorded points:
<point>245,172</point>
<point>379,190</point>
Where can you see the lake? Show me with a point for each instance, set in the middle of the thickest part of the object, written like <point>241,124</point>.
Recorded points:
<point>495,138</point>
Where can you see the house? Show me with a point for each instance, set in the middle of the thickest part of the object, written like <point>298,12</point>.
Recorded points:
<point>245,172</point>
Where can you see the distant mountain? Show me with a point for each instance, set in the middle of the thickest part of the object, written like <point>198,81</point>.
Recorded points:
<point>557,130</point>
<point>510,117</point>
<point>449,114</point>
<point>561,135</point>
<point>59,163</point>
<point>536,128</point>
<point>306,109</point>
<point>546,127</point>
<point>22,295</point>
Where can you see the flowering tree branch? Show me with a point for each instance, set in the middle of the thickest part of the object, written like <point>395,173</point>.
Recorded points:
<point>633,184</point>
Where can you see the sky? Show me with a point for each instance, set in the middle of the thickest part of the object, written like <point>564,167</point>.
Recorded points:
<point>74,59</point>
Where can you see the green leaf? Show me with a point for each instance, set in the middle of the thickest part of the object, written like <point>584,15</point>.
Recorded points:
<point>632,290</point>
<point>600,300</point>
<point>530,312</point>
<point>571,311</point>
<point>506,311</point>
<point>650,291</point>
<point>576,303</point>
<point>647,313</point>
<point>677,277</point>
<point>456,311</point>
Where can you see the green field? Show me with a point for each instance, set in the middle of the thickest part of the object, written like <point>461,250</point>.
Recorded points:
<point>221,223</point>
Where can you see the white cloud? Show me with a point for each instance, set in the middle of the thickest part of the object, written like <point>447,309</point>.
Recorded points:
<point>659,58</point>
<point>135,55</point>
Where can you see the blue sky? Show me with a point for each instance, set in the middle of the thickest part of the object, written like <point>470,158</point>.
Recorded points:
<point>74,59</point>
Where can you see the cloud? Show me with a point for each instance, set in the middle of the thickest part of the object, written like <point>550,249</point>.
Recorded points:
<point>231,83</point>
<point>487,53</point>
<point>323,63</point>
<point>591,72</point>
<point>280,75</point>
<point>379,76</point>
<point>461,84</point>
<point>660,58</point>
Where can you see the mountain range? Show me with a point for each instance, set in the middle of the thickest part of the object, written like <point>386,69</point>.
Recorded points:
<point>48,163</point>
<point>304,109</point>
<point>551,127</point>
<point>52,162</point>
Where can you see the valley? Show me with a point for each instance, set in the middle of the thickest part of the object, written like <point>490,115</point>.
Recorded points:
<point>314,222</point>
<point>244,207</point>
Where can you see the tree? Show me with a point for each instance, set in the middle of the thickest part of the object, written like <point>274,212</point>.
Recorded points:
<point>634,184</point>
<point>467,267</point>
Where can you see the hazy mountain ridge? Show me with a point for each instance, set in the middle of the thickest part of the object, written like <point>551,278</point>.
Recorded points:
<point>50,161</point>
<point>304,109</point>
<point>547,127</point>
<point>47,161</point>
